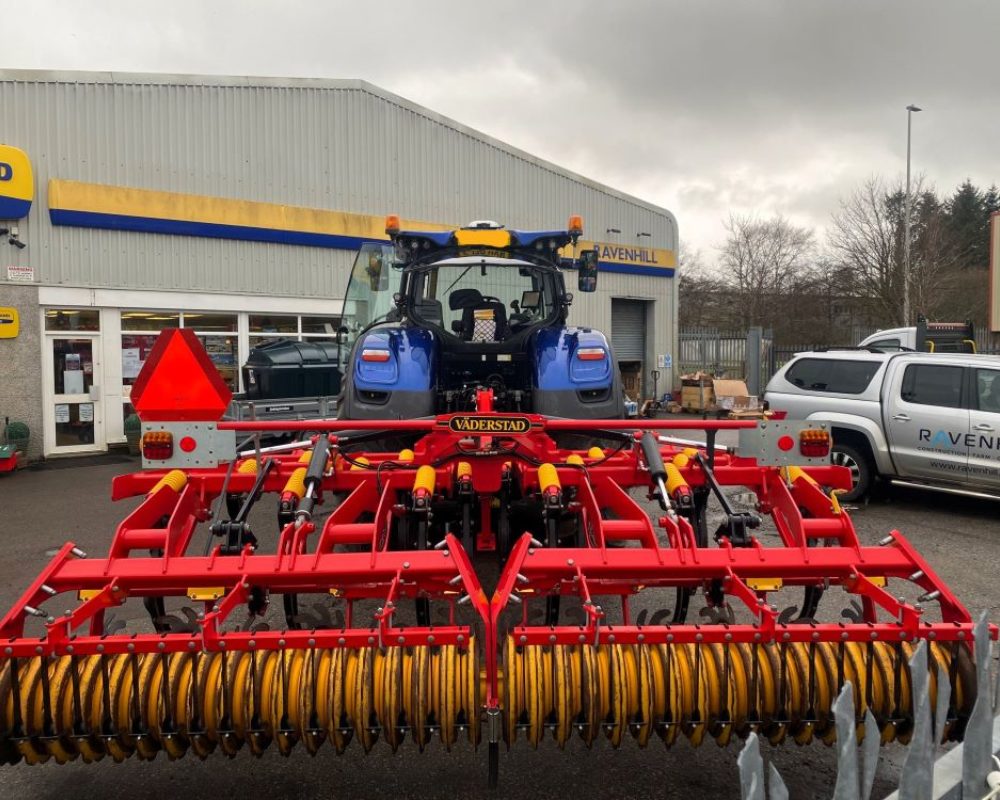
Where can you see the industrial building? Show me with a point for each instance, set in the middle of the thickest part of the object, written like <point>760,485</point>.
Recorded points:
<point>233,206</point>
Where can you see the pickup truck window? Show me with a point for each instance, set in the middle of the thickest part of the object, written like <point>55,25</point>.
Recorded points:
<point>889,345</point>
<point>933,385</point>
<point>832,375</point>
<point>988,389</point>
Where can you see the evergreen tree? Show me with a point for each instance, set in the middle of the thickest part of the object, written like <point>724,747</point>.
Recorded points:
<point>966,211</point>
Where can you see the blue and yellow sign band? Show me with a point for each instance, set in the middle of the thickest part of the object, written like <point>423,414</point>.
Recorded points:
<point>630,260</point>
<point>94,205</point>
<point>17,184</point>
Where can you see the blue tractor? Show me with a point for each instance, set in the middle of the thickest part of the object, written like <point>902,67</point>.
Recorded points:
<point>479,307</point>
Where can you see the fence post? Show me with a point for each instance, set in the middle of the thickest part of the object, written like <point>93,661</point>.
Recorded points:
<point>752,356</point>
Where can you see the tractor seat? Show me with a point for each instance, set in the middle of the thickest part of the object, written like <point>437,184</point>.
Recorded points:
<point>482,320</point>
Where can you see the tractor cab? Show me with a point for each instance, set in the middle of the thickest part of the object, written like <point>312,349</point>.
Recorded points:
<point>481,284</point>
<point>444,313</point>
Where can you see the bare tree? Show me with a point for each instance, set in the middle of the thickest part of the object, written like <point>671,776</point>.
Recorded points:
<point>866,243</point>
<point>701,294</point>
<point>763,260</point>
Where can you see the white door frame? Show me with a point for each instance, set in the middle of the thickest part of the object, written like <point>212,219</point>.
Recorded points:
<point>94,396</point>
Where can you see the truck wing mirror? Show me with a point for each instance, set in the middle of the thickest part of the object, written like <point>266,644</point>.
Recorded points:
<point>587,271</point>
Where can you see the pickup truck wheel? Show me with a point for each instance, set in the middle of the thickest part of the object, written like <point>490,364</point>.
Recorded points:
<point>843,455</point>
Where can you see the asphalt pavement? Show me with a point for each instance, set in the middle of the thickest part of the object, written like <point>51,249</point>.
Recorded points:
<point>41,508</point>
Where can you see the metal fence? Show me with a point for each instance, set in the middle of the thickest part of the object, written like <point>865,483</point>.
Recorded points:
<point>753,356</point>
<point>738,355</point>
<point>961,774</point>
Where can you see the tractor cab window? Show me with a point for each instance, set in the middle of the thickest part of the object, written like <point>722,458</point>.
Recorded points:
<point>370,289</point>
<point>483,301</point>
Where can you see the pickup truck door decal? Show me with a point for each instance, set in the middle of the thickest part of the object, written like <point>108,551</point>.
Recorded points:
<point>925,422</point>
<point>984,430</point>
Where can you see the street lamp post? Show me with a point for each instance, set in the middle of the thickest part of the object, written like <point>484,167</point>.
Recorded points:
<point>906,221</point>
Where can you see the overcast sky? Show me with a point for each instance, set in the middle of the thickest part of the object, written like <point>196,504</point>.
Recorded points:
<point>701,106</point>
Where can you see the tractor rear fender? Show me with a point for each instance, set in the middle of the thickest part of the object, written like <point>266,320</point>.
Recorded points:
<point>391,374</point>
<point>575,374</point>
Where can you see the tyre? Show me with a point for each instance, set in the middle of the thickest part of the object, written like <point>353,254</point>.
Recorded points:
<point>844,455</point>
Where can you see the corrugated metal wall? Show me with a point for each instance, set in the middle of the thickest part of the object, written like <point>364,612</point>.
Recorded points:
<point>330,144</point>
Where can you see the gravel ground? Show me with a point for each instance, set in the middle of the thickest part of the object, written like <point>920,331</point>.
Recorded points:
<point>41,508</point>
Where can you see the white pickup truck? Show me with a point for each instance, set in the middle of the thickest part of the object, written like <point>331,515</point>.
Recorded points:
<point>925,337</point>
<point>918,418</point>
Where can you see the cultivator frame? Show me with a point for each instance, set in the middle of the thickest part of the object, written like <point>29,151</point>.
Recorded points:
<point>411,527</point>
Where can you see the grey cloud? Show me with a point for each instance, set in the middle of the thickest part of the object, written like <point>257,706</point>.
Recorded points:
<point>704,107</point>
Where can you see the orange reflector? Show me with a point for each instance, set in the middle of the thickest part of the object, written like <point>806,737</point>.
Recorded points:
<point>591,354</point>
<point>157,445</point>
<point>575,224</point>
<point>374,355</point>
<point>814,442</point>
<point>392,224</point>
<point>179,382</point>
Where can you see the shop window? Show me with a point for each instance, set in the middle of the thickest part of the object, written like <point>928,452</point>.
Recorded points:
<point>72,319</point>
<point>135,351</point>
<point>274,324</point>
<point>320,326</point>
<point>150,320</point>
<point>137,343</point>
<point>222,323</point>
<point>222,351</point>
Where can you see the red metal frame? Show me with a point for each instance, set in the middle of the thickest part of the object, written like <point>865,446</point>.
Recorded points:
<point>306,558</point>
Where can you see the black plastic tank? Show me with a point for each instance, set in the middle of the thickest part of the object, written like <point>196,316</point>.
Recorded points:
<point>287,368</point>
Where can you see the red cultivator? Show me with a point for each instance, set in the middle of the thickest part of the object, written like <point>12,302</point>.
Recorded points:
<point>411,640</point>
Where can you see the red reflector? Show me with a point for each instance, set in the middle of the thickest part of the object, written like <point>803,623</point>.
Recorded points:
<point>374,355</point>
<point>179,382</point>
<point>188,444</point>
<point>591,354</point>
<point>786,443</point>
<point>158,445</point>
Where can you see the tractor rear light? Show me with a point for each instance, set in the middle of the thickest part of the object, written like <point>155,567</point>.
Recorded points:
<point>158,445</point>
<point>575,226</point>
<point>374,355</point>
<point>814,443</point>
<point>591,354</point>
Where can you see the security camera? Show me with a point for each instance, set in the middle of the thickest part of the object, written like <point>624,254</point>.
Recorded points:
<point>17,243</point>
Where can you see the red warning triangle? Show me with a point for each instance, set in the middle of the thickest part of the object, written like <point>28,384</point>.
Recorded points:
<point>179,382</point>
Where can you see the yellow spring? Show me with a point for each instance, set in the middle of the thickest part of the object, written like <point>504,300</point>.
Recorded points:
<point>548,477</point>
<point>248,467</point>
<point>175,479</point>
<point>674,478</point>
<point>680,461</point>
<point>296,483</point>
<point>693,690</point>
<point>574,459</point>
<point>319,695</point>
<point>595,452</point>
<point>463,470</point>
<point>406,456</point>
<point>360,463</point>
<point>425,479</point>
<point>305,456</point>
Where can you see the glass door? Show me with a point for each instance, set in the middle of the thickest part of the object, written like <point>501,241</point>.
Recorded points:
<point>75,420</point>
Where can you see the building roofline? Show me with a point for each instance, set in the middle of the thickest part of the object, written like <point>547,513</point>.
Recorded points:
<point>351,84</point>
